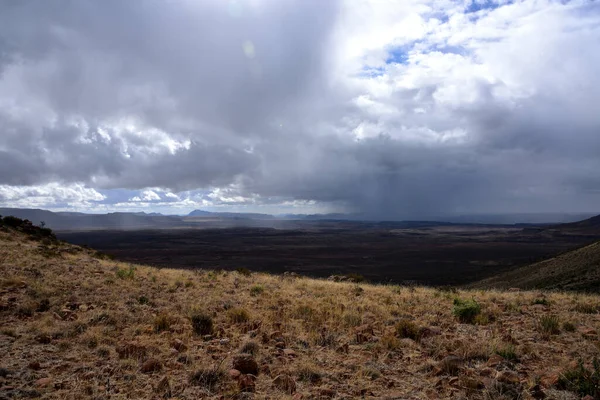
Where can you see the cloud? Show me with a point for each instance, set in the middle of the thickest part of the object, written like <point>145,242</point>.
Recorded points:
<point>396,109</point>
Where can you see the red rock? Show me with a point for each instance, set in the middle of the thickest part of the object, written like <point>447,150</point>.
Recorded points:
<point>151,365</point>
<point>494,360</point>
<point>43,382</point>
<point>234,373</point>
<point>510,377</point>
<point>246,364</point>
<point>246,383</point>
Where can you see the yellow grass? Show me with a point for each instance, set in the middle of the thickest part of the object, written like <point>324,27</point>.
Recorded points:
<point>95,307</point>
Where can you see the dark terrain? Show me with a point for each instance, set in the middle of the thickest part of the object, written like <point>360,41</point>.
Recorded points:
<point>445,254</point>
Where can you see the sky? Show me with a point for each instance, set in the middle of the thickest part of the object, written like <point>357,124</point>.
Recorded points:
<point>393,109</point>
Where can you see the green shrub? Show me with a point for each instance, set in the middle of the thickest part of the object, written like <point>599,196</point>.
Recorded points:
<point>466,310</point>
<point>243,271</point>
<point>508,352</point>
<point>256,290</point>
<point>569,327</point>
<point>202,323</point>
<point>543,301</point>
<point>238,315</point>
<point>162,322</point>
<point>585,382</point>
<point>123,273</point>
<point>549,325</point>
<point>408,329</point>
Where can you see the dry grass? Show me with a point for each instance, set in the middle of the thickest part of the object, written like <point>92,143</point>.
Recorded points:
<point>102,329</point>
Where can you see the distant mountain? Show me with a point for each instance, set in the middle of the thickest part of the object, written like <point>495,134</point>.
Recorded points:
<point>577,270</point>
<point>202,213</point>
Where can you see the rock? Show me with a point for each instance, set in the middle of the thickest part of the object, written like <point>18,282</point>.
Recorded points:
<point>246,364</point>
<point>537,392</point>
<point>471,383</point>
<point>289,352</point>
<point>151,365</point>
<point>509,377</point>
<point>549,380</point>
<point>326,392</point>
<point>234,373</point>
<point>178,345</point>
<point>429,331</point>
<point>298,396</point>
<point>34,365</point>
<point>451,365</point>
<point>285,383</point>
<point>494,360</point>
<point>43,382</point>
<point>164,387</point>
<point>246,383</point>
<point>224,341</point>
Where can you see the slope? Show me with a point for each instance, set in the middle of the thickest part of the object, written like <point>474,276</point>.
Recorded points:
<point>577,270</point>
<point>73,326</point>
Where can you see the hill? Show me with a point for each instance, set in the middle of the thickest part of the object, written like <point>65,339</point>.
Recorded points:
<point>77,325</point>
<point>577,270</point>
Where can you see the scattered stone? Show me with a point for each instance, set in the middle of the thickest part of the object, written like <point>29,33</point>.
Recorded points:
<point>326,392</point>
<point>494,360</point>
<point>509,377</point>
<point>178,345</point>
<point>289,353</point>
<point>151,365</point>
<point>34,365</point>
<point>234,373</point>
<point>246,383</point>
<point>246,364</point>
<point>285,383</point>
<point>43,382</point>
<point>451,365</point>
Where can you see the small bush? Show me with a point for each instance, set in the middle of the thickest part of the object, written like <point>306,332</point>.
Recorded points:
<point>256,290</point>
<point>202,323</point>
<point>143,300</point>
<point>586,308</point>
<point>585,382</point>
<point>508,352</point>
<point>569,327</point>
<point>43,305</point>
<point>126,273</point>
<point>243,271</point>
<point>466,310</point>
<point>162,322</point>
<point>250,347</point>
<point>308,373</point>
<point>408,329</point>
<point>207,378</point>
<point>238,315</point>
<point>543,301</point>
<point>549,325</point>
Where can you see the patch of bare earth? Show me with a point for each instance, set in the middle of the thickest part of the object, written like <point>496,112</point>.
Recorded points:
<point>74,326</point>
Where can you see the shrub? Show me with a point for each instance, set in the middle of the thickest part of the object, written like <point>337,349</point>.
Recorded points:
<point>202,323</point>
<point>408,329</point>
<point>549,325</point>
<point>543,301</point>
<point>206,378</point>
<point>238,315</point>
<point>351,319</point>
<point>308,373</point>
<point>466,310</point>
<point>256,290</point>
<point>250,347</point>
<point>162,322</point>
<point>143,300</point>
<point>569,327</point>
<point>356,278</point>
<point>586,308</point>
<point>585,382</point>
<point>123,273</point>
<point>508,352</point>
<point>243,271</point>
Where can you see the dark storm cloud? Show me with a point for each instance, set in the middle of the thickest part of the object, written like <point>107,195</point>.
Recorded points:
<point>265,100</point>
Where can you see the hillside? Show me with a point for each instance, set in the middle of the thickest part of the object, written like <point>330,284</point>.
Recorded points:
<point>76,325</point>
<point>575,270</point>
